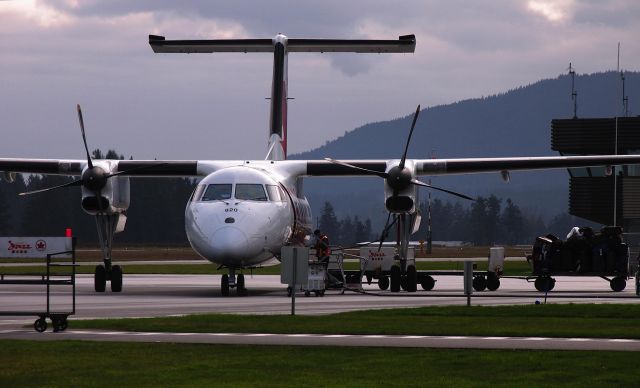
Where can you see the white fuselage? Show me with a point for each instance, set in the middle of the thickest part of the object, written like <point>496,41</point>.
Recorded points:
<point>242,216</point>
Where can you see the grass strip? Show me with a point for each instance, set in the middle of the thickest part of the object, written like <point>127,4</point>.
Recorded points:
<point>550,320</point>
<point>107,364</point>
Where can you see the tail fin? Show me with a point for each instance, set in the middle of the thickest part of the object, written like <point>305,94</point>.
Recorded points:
<point>280,45</point>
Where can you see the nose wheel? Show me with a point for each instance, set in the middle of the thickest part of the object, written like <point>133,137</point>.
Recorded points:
<point>106,225</point>
<point>232,281</point>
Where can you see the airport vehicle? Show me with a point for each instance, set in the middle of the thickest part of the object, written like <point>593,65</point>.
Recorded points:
<point>243,212</point>
<point>583,253</point>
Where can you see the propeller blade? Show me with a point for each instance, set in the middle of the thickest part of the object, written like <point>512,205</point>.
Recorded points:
<point>378,173</point>
<point>77,182</point>
<point>419,183</point>
<point>135,169</point>
<point>385,231</point>
<point>84,138</point>
<point>406,147</point>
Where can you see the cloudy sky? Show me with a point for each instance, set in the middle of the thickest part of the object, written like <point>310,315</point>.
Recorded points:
<point>56,53</point>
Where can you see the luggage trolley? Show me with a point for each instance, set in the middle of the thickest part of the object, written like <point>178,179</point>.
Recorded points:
<point>59,319</point>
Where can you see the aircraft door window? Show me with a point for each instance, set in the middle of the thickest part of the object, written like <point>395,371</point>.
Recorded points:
<point>251,192</point>
<point>217,192</point>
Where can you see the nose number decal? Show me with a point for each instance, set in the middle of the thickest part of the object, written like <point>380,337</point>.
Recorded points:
<point>231,210</point>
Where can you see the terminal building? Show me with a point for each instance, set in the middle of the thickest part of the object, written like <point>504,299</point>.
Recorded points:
<point>596,194</point>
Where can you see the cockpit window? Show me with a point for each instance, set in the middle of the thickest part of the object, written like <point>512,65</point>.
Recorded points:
<point>275,193</point>
<point>197,193</point>
<point>252,192</point>
<point>217,192</point>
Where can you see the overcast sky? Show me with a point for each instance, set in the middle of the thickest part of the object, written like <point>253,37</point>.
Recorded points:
<point>54,54</point>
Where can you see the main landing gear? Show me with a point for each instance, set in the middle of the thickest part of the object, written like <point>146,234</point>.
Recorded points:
<point>106,225</point>
<point>232,281</point>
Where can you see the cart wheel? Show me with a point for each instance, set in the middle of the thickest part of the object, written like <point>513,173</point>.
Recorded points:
<point>40,325</point>
<point>479,283</point>
<point>493,283</point>
<point>428,282</point>
<point>307,293</point>
<point>316,293</point>
<point>321,292</point>
<point>383,282</point>
<point>544,283</point>
<point>618,283</point>
<point>55,322</point>
<point>289,291</point>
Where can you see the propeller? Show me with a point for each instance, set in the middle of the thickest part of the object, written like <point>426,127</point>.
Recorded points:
<point>399,177</point>
<point>94,178</point>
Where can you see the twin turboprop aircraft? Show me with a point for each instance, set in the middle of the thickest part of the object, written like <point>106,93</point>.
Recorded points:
<point>243,212</point>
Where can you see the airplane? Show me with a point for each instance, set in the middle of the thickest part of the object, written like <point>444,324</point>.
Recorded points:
<point>242,212</point>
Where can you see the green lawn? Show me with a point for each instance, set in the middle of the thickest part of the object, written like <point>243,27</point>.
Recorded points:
<point>106,364</point>
<point>550,320</point>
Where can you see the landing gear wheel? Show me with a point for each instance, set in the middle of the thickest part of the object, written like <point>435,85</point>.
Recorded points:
<point>242,291</point>
<point>224,286</point>
<point>395,278</point>
<point>493,283</point>
<point>479,283</point>
<point>100,278</point>
<point>383,282</point>
<point>618,283</point>
<point>428,282</point>
<point>116,278</point>
<point>544,283</point>
<point>40,325</point>
<point>412,279</point>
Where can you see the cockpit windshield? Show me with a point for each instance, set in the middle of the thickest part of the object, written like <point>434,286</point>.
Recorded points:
<point>251,192</point>
<point>217,192</point>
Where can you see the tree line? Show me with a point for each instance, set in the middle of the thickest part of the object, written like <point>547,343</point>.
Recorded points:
<point>486,221</point>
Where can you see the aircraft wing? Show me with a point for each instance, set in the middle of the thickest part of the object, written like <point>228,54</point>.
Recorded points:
<point>159,168</point>
<point>466,165</point>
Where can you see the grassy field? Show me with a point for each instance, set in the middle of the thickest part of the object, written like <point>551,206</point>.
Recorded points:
<point>550,320</point>
<point>71,363</point>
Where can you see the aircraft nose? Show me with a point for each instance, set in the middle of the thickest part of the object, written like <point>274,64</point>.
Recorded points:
<point>229,241</point>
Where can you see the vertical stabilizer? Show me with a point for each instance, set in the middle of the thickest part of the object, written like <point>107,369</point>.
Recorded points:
<point>280,46</point>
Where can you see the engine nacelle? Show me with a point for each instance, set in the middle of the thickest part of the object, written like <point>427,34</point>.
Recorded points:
<point>405,199</point>
<point>114,197</point>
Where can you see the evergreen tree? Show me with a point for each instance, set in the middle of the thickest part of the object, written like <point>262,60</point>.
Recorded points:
<point>347,232</point>
<point>477,221</point>
<point>328,222</point>
<point>513,223</point>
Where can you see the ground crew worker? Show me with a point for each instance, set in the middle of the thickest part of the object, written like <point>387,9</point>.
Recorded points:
<point>322,247</point>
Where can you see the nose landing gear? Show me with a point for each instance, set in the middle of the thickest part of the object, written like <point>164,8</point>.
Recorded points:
<point>107,225</point>
<point>231,281</point>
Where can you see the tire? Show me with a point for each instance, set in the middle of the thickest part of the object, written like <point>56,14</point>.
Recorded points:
<point>493,283</point>
<point>307,293</point>
<point>618,283</point>
<point>100,278</point>
<point>428,282</point>
<point>479,283</point>
<point>544,283</point>
<point>395,278</point>
<point>224,285</point>
<point>383,283</point>
<point>116,278</point>
<point>289,291</point>
<point>40,325</point>
<point>412,279</point>
<point>240,288</point>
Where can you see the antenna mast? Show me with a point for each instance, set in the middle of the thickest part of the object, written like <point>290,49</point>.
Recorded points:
<point>574,93</point>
